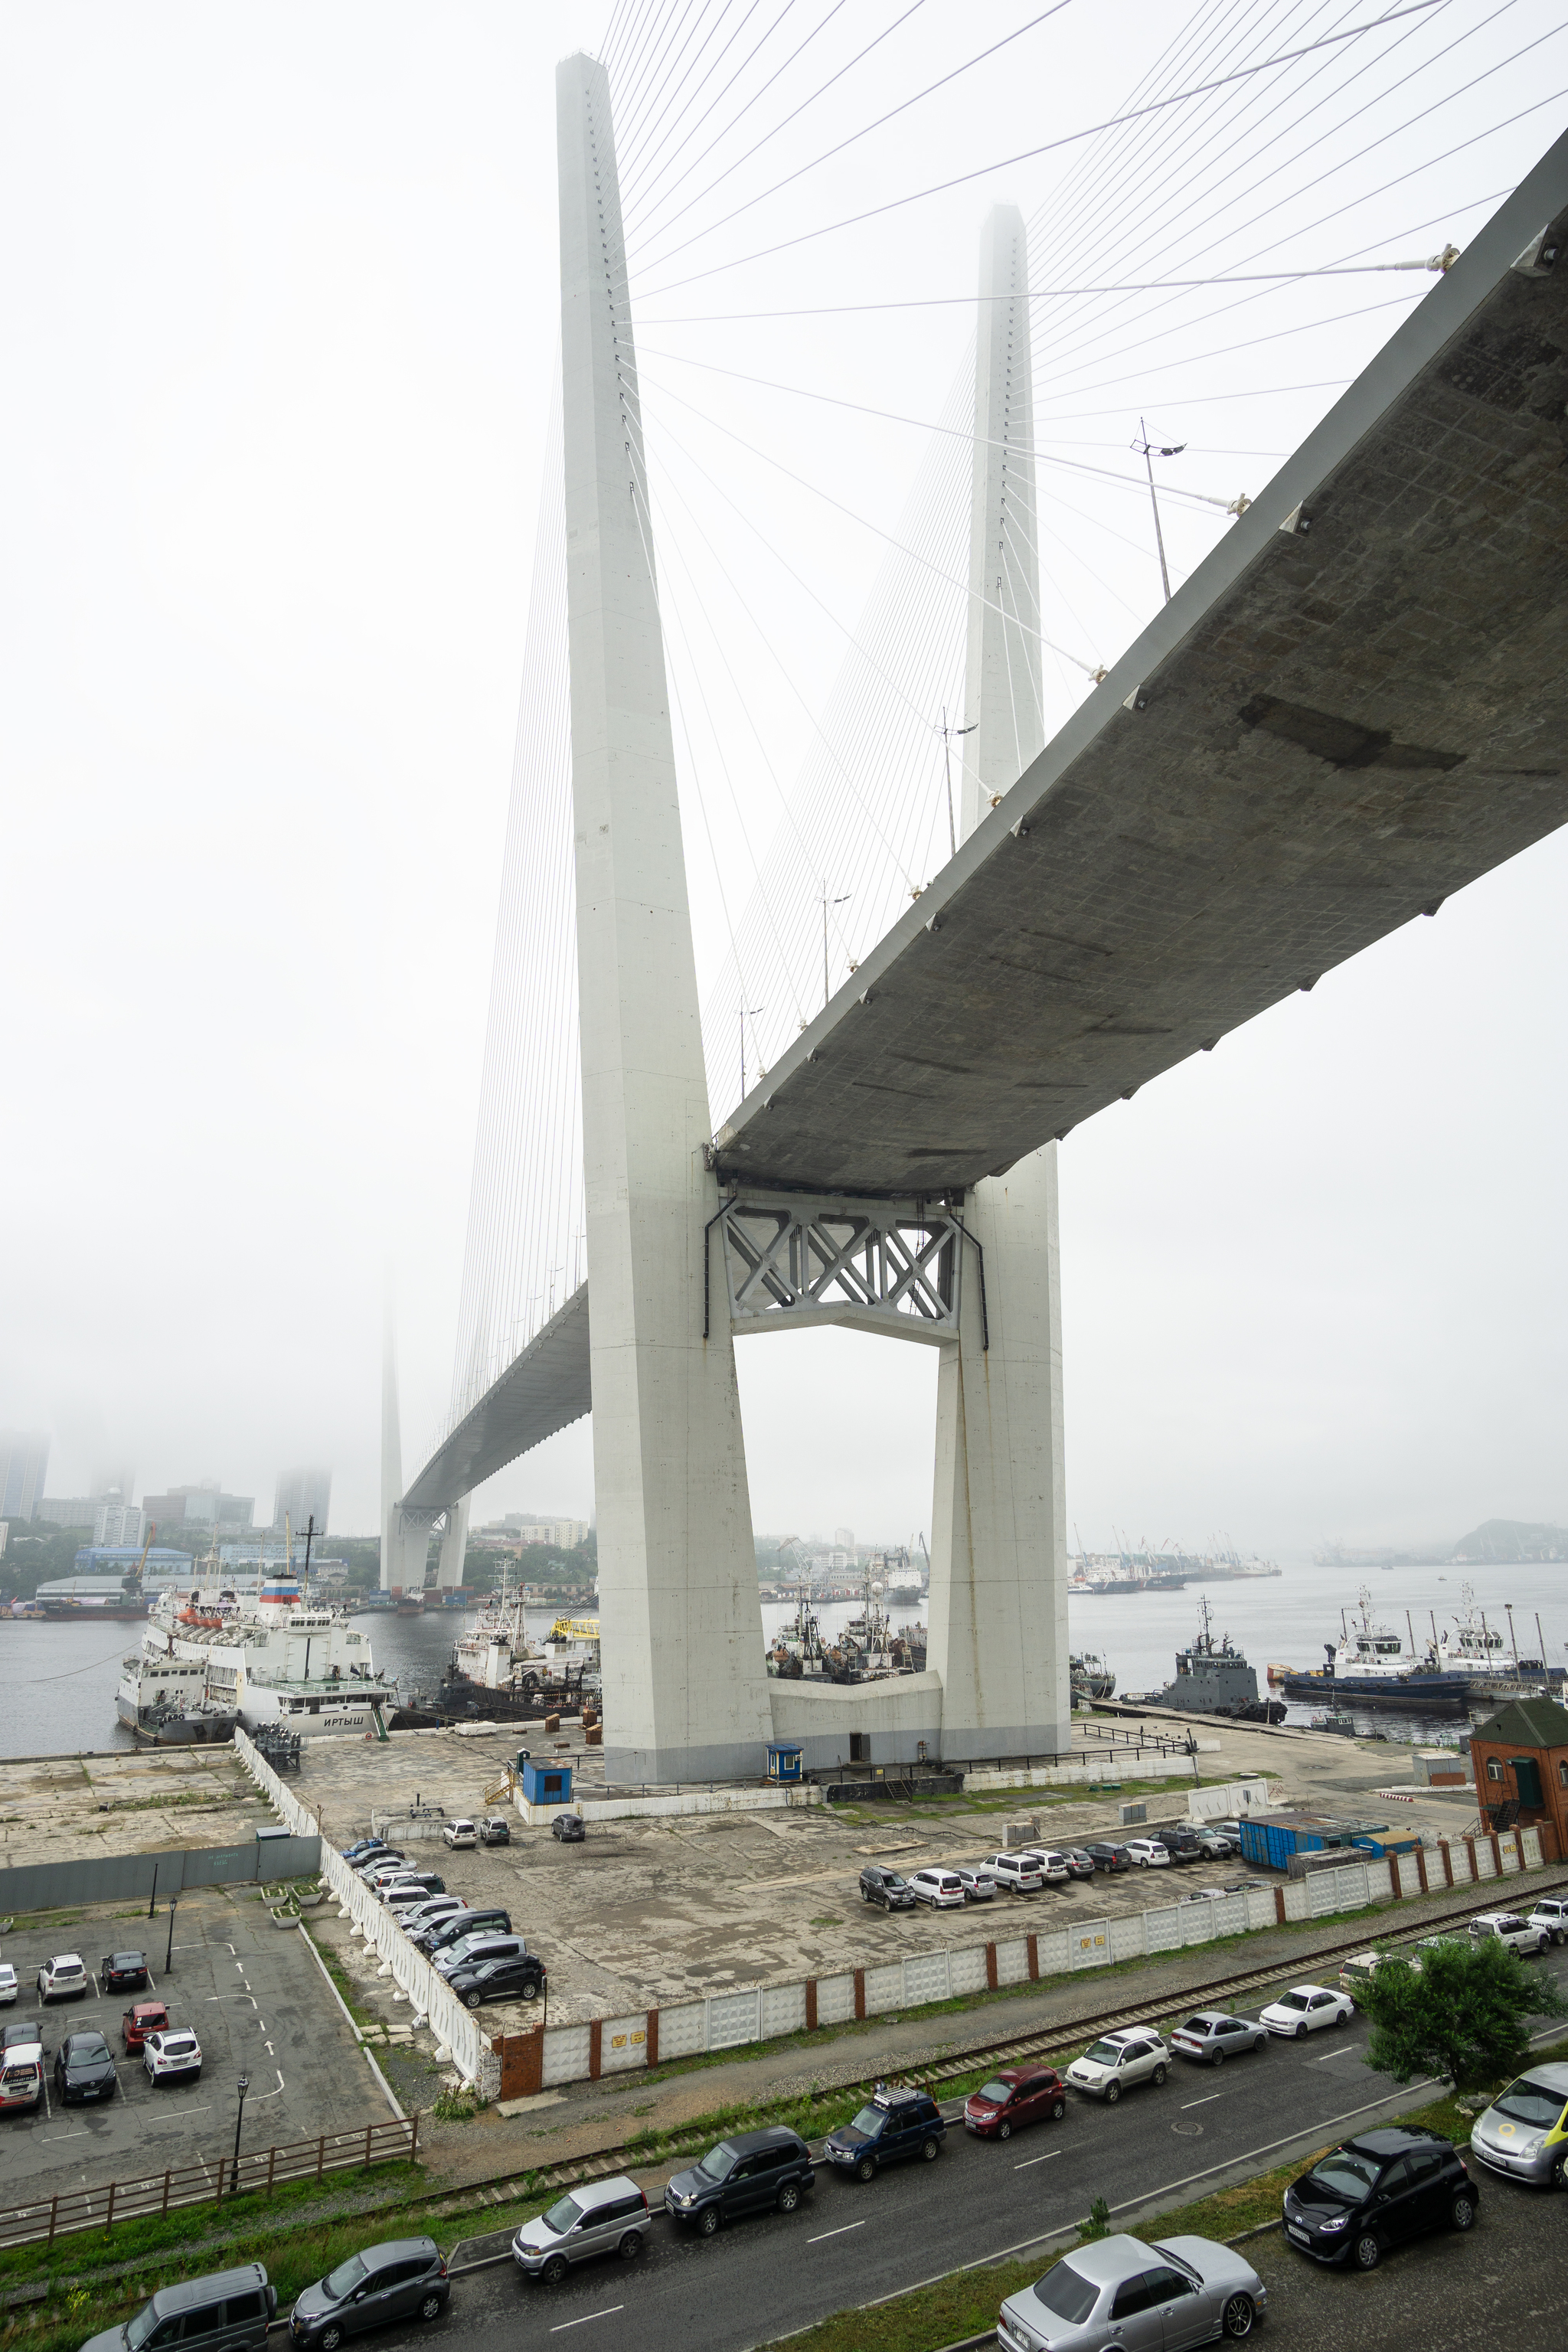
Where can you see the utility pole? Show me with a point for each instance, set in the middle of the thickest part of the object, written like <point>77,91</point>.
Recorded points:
<point>828,902</point>
<point>947,734</point>
<point>1146,451</point>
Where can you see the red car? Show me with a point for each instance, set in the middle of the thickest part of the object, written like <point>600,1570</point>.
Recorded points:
<point>1012,2097</point>
<point>143,2018</point>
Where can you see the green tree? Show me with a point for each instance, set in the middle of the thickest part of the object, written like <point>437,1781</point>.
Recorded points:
<point>1457,2011</point>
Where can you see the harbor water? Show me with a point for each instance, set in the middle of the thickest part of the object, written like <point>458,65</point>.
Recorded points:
<point>58,1681</point>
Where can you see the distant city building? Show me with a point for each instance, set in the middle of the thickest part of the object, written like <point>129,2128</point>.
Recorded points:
<point>206,1506</point>
<point>843,1540</point>
<point>117,1523</point>
<point>71,1510</point>
<point>302,1496</point>
<point>24,1458</point>
<point>114,1559</point>
<point>520,1529</point>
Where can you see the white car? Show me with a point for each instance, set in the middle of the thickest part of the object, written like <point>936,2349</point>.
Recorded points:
<point>1147,1854</point>
<point>1203,1894</point>
<point>1304,2008</point>
<point>458,1833</point>
<point>1508,1927</point>
<point>943,1888</point>
<point>64,1977</point>
<point>1135,2053</point>
<point>1550,1913</point>
<point>173,2057</point>
<point>1020,1872</point>
<point>979,1885</point>
<point>1055,1868</point>
<point>475,1949</point>
<point>7,1982</point>
<point>435,1906</point>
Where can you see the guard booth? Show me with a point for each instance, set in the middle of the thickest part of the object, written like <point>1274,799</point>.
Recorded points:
<point>783,1762</point>
<point>546,1783</point>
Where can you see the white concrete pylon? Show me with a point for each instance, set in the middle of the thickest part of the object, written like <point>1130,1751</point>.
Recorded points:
<point>998,1631</point>
<point>454,1547</point>
<point>684,1691</point>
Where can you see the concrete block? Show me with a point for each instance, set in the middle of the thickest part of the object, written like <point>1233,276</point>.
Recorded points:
<point>1127,1814</point>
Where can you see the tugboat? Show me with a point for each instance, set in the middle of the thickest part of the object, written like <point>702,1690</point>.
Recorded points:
<point>164,1699</point>
<point>1090,1678</point>
<point>1213,1678</point>
<point>1371,1662</point>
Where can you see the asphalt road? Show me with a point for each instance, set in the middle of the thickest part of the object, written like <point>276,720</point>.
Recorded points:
<point>849,2244</point>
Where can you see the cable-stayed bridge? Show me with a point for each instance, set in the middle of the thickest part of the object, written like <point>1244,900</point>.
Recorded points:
<point>1353,708</point>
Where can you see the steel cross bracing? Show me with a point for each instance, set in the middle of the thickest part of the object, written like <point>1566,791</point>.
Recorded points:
<point>883,1266</point>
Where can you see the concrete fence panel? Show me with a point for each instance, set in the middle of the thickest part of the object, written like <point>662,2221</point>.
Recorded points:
<point>1013,1960</point>
<point>623,2043</point>
<point>884,1987</point>
<point>1297,1901</point>
<point>836,1999</point>
<point>1529,1840</point>
<point>1128,1936</point>
<point>1486,1866</point>
<point>1089,1945</point>
<point>683,2032</point>
<point>966,1970</point>
<point>1053,1950</point>
<point>733,2018</point>
<point>566,2048</point>
<point>926,1979</point>
<point>784,2010</point>
<point>1163,1930</point>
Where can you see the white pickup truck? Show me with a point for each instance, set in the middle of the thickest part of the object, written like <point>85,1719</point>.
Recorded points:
<point>1550,1913</point>
<point>1520,1935</point>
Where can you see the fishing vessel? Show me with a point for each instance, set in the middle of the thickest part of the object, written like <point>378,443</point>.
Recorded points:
<point>1213,1678</point>
<point>275,1659</point>
<point>497,1663</point>
<point>1370,1661</point>
<point>866,1650</point>
<point>1090,1678</point>
<point>164,1699</point>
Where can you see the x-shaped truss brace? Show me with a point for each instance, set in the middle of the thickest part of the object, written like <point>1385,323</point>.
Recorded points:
<point>882,1266</point>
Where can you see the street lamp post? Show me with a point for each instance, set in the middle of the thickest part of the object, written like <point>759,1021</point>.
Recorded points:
<point>239,2118</point>
<point>169,1954</point>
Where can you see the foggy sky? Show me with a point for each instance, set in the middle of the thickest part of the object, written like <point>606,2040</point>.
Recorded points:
<point>280,289</point>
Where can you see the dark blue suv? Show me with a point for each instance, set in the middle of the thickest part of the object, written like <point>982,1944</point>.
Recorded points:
<point>892,2125</point>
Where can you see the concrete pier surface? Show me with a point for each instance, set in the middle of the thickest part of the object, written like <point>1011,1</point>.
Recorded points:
<point>127,1801</point>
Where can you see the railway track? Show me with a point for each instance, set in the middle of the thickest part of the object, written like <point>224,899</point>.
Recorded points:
<point>599,2164</point>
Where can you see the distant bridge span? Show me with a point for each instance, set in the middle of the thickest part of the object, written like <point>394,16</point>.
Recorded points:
<point>1356,705</point>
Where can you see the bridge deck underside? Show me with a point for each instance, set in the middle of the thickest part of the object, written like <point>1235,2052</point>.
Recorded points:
<point>1343,725</point>
<point>1339,727</point>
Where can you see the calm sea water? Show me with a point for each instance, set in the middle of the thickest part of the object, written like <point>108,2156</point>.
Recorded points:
<point>58,1681</point>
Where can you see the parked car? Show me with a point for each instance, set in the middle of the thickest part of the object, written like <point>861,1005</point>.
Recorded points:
<point>1306,2008</point>
<point>1182,1845</point>
<point>460,1833</point>
<point>142,2017</point>
<point>1376,2190</point>
<point>497,1831</point>
<point>64,1977</point>
<point>228,2311</point>
<point>1013,2096</point>
<point>1052,1863</point>
<point>439,1941</point>
<point>1215,1843</point>
<point>1117,2292</point>
<point>403,2279</point>
<point>1203,1894</point>
<point>425,1915</point>
<point>475,1950</point>
<point>22,2073</point>
<point>1231,1830</point>
<point>1135,2053</point>
<point>382,1869</point>
<point>122,1972</point>
<point>1109,1857</point>
<point>886,1887</point>
<point>8,1983</point>
<point>1549,1912</point>
<point>1079,1861</point>
<point>892,2125</point>
<point>979,1885</point>
<point>570,1828</point>
<point>753,2171</point>
<point>361,1850</point>
<point>1212,2035</point>
<point>1147,1854</point>
<point>1510,1928</point>
<point>1020,1874</point>
<point>173,2055</point>
<point>406,1892</point>
<point>19,2031</point>
<point>520,1977</point>
<point>603,2217</point>
<point>84,2068</point>
<point>943,1889</point>
<point>1524,2133</point>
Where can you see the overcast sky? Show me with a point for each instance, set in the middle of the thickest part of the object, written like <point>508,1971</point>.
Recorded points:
<point>281,290</point>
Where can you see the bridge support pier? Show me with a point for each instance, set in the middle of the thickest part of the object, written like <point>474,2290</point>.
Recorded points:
<point>454,1547</point>
<point>685,1690</point>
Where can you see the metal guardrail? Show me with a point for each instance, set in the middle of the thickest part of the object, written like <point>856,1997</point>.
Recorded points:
<point>206,2182</point>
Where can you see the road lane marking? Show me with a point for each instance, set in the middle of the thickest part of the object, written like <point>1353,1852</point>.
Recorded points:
<point>1036,2160</point>
<point>1348,2050</point>
<point>835,2233</point>
<point>608,2313</point>
<point>1203,2103</point>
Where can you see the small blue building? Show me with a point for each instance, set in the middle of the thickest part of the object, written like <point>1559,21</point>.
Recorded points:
<point>546,1783</point>
<point>783,1760</point>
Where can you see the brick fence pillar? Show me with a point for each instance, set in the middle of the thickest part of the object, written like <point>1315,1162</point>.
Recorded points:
<point>521,2059</point>
<point>1421,1868</point>
<point>811,2004</point>
<point>1470,1850</point>
<point>1496,1854</point>
<point>596,2041</point>
<point>859,1993</point>
<point>1279,1906</point>
<point>1396,1884</point>
<point>653,2037</point>
<point>1034,1959</point>
<point>990,1967</point>
<point>1444,1850</point>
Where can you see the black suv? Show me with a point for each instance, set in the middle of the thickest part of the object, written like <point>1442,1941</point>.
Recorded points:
<point>892,2125</point>
<point>1108,1857</point>
<point>520,1979</point>
<point>743,2175</point>
<point>443,1933</point>
<point>1376,2190</point>
<point>1181,1845</point>
<point>886,1887</point>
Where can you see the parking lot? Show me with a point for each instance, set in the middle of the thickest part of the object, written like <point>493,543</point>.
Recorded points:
<point>260,2006</point>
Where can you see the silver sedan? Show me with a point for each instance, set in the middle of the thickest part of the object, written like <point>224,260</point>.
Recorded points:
<point>1120,2292</point>
<point>1212,2035</point>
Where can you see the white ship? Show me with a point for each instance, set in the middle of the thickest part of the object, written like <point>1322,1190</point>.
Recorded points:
<point>164,1699</point>
<point>277,1661</point>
